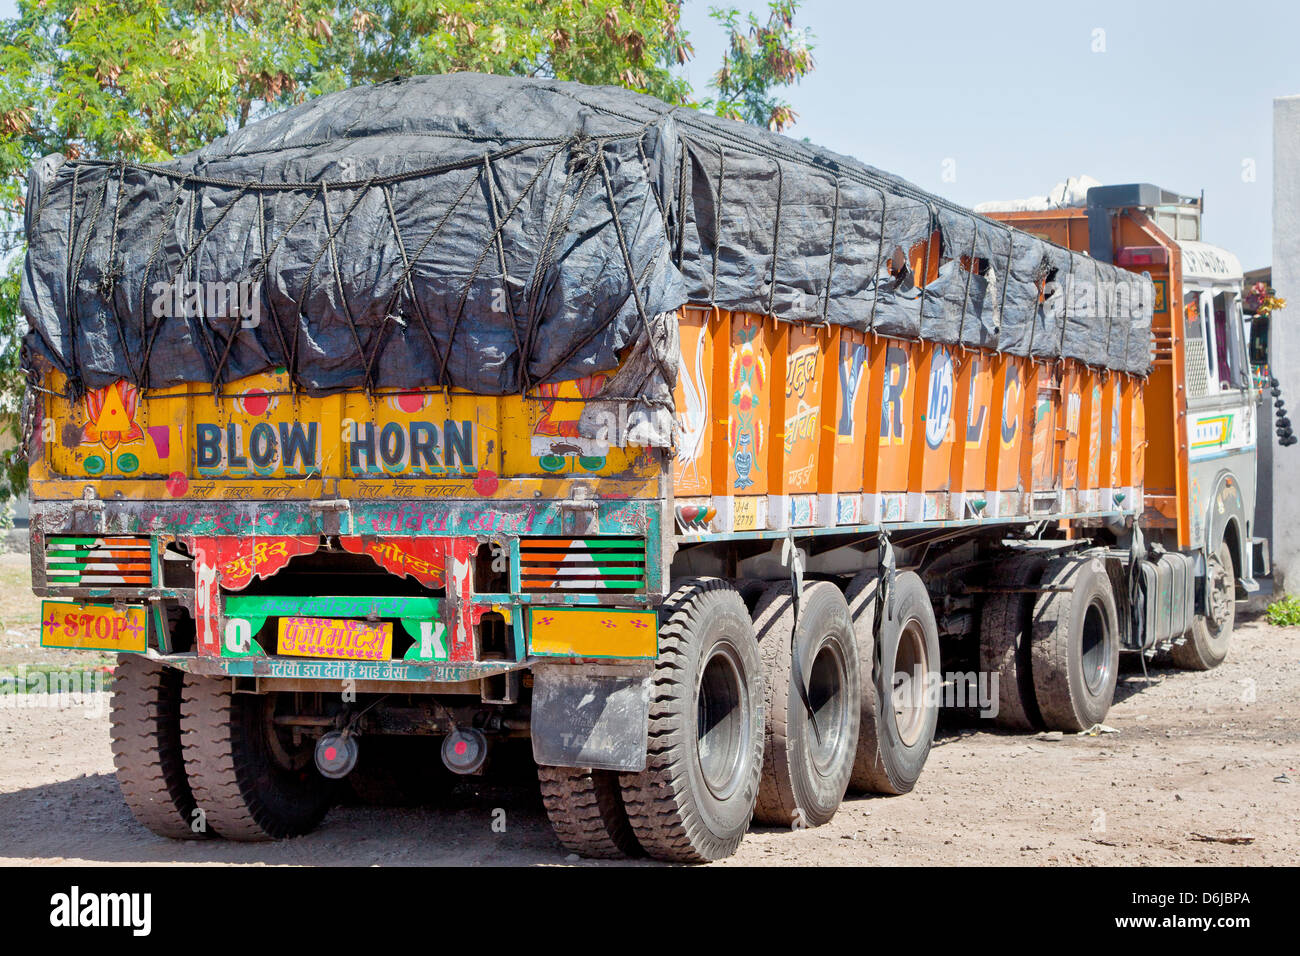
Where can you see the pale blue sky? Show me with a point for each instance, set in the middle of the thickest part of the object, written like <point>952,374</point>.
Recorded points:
<point>1013,94</point>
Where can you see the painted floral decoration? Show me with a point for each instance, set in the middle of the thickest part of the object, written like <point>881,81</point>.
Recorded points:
<point>111,413</point>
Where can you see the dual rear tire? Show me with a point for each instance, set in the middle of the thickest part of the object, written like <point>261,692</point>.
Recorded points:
<point>693,801</point>
<point>195,760</point>
<point>759,720</point>
<point>812,704</point>
<point>250,779</point>
<point>144,717</point>
<point>900,704</point>
<point>1051,639</point>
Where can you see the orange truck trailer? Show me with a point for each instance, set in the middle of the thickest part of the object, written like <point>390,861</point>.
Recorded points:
<point>714,464</point>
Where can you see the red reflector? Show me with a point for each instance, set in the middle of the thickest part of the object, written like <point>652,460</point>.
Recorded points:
<point>1133,256</point>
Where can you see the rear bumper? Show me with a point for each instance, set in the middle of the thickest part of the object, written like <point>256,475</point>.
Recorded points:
<point>471,589</point>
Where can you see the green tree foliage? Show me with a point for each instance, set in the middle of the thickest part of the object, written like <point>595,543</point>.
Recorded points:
<point>607,42</point>
<point>151,79</point>
<point>761,56</point>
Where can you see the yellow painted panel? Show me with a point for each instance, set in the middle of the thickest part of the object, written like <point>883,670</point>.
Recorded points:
<point>335,639</point>
<point>593,632</point>
<point>95,627</point>
<point>184,441</point>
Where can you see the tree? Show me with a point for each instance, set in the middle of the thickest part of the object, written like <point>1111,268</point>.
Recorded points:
<point>151,79</point>
<point>604,42</point>
<point>759,57</point>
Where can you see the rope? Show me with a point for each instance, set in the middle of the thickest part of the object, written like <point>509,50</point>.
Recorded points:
<point>145,333</point>
<point>464,293</point>
<point>631,274</point>
<point>776,238</point>
<point>494,211</point>
<point>965,295</point>
<point>338,275</point>
<point>830,264</point>
<point>557,229</point>
<point>717,228</point>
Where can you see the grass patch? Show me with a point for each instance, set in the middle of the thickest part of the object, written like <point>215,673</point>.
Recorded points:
<point>20,609</point>
<point>1285,611</point>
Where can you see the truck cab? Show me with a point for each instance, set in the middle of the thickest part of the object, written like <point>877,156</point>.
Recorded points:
<point>1201,395</point>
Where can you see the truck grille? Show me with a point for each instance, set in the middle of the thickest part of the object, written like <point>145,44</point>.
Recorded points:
<point>582,564</point>
<point>97,562</point>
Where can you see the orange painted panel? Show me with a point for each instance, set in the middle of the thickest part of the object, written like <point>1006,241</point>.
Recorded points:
<point>1110,431</point>
<point>848,430</point>
<point>1011,391</point>
<point>796,410</point>
<point>1048,432</point>
<point>899,370</point>
<point>749,381</point>
<point>939,422</point>
<point>694,397</point>
<point>1073,415</point>
<point>981,429</point>
<point>1139,429</point>
<point>1093,418</point>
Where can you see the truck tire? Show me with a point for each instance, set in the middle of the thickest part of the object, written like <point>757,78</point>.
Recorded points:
<point>1005,639</point>
<point>586,811</point>
<point>1206,645</point>
<point>893,747</point>
<point>145,724</point>
<point>694,800</point>
<point>861,596</point>
<point>807,760</point>
<point>1075,645</point>
<point>249,784</point>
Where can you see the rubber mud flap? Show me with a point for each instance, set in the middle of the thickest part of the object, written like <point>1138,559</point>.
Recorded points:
<point>590,715</point>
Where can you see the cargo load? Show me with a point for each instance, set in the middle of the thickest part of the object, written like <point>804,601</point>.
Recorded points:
<point>493,234</point>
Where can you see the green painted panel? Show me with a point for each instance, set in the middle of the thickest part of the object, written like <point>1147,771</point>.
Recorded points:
<point>264,606</point>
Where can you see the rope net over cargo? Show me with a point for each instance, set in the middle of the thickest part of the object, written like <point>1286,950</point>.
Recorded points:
<point>494,234</point>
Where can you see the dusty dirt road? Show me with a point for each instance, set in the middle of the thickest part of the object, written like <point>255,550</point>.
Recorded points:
<point>1199,758</point>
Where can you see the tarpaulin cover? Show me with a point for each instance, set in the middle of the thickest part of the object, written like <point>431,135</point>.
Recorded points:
<point>495,233</point>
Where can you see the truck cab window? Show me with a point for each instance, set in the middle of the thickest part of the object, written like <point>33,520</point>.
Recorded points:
<point>1197,319</point>
<point>1229,345</point>
<point>1259,345</point>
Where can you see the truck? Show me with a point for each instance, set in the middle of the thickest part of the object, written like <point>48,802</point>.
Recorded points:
<point>468,409</point>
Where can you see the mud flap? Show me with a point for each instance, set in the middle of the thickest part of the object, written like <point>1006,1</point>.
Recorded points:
<point>591,715</point>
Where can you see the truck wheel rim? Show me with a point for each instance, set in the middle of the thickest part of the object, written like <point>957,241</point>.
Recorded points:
<point>911,665</point>
<point>1095,655</point>
<point>722,728</point>
<point>827,679</point>
<point>1220,603</point>
<point>279,739</point>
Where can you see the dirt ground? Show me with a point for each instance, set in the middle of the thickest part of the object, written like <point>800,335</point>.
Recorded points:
<point>1198,759</point>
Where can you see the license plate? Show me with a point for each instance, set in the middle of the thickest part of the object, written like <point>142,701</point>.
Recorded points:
<point>93,627</point>
<point>335,639</point>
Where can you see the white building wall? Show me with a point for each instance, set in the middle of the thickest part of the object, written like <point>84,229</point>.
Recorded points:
<point>1285,332</point>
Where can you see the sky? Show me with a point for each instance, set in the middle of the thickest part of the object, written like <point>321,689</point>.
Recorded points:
<point>1001,100</point>
<point>1011,98</point>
